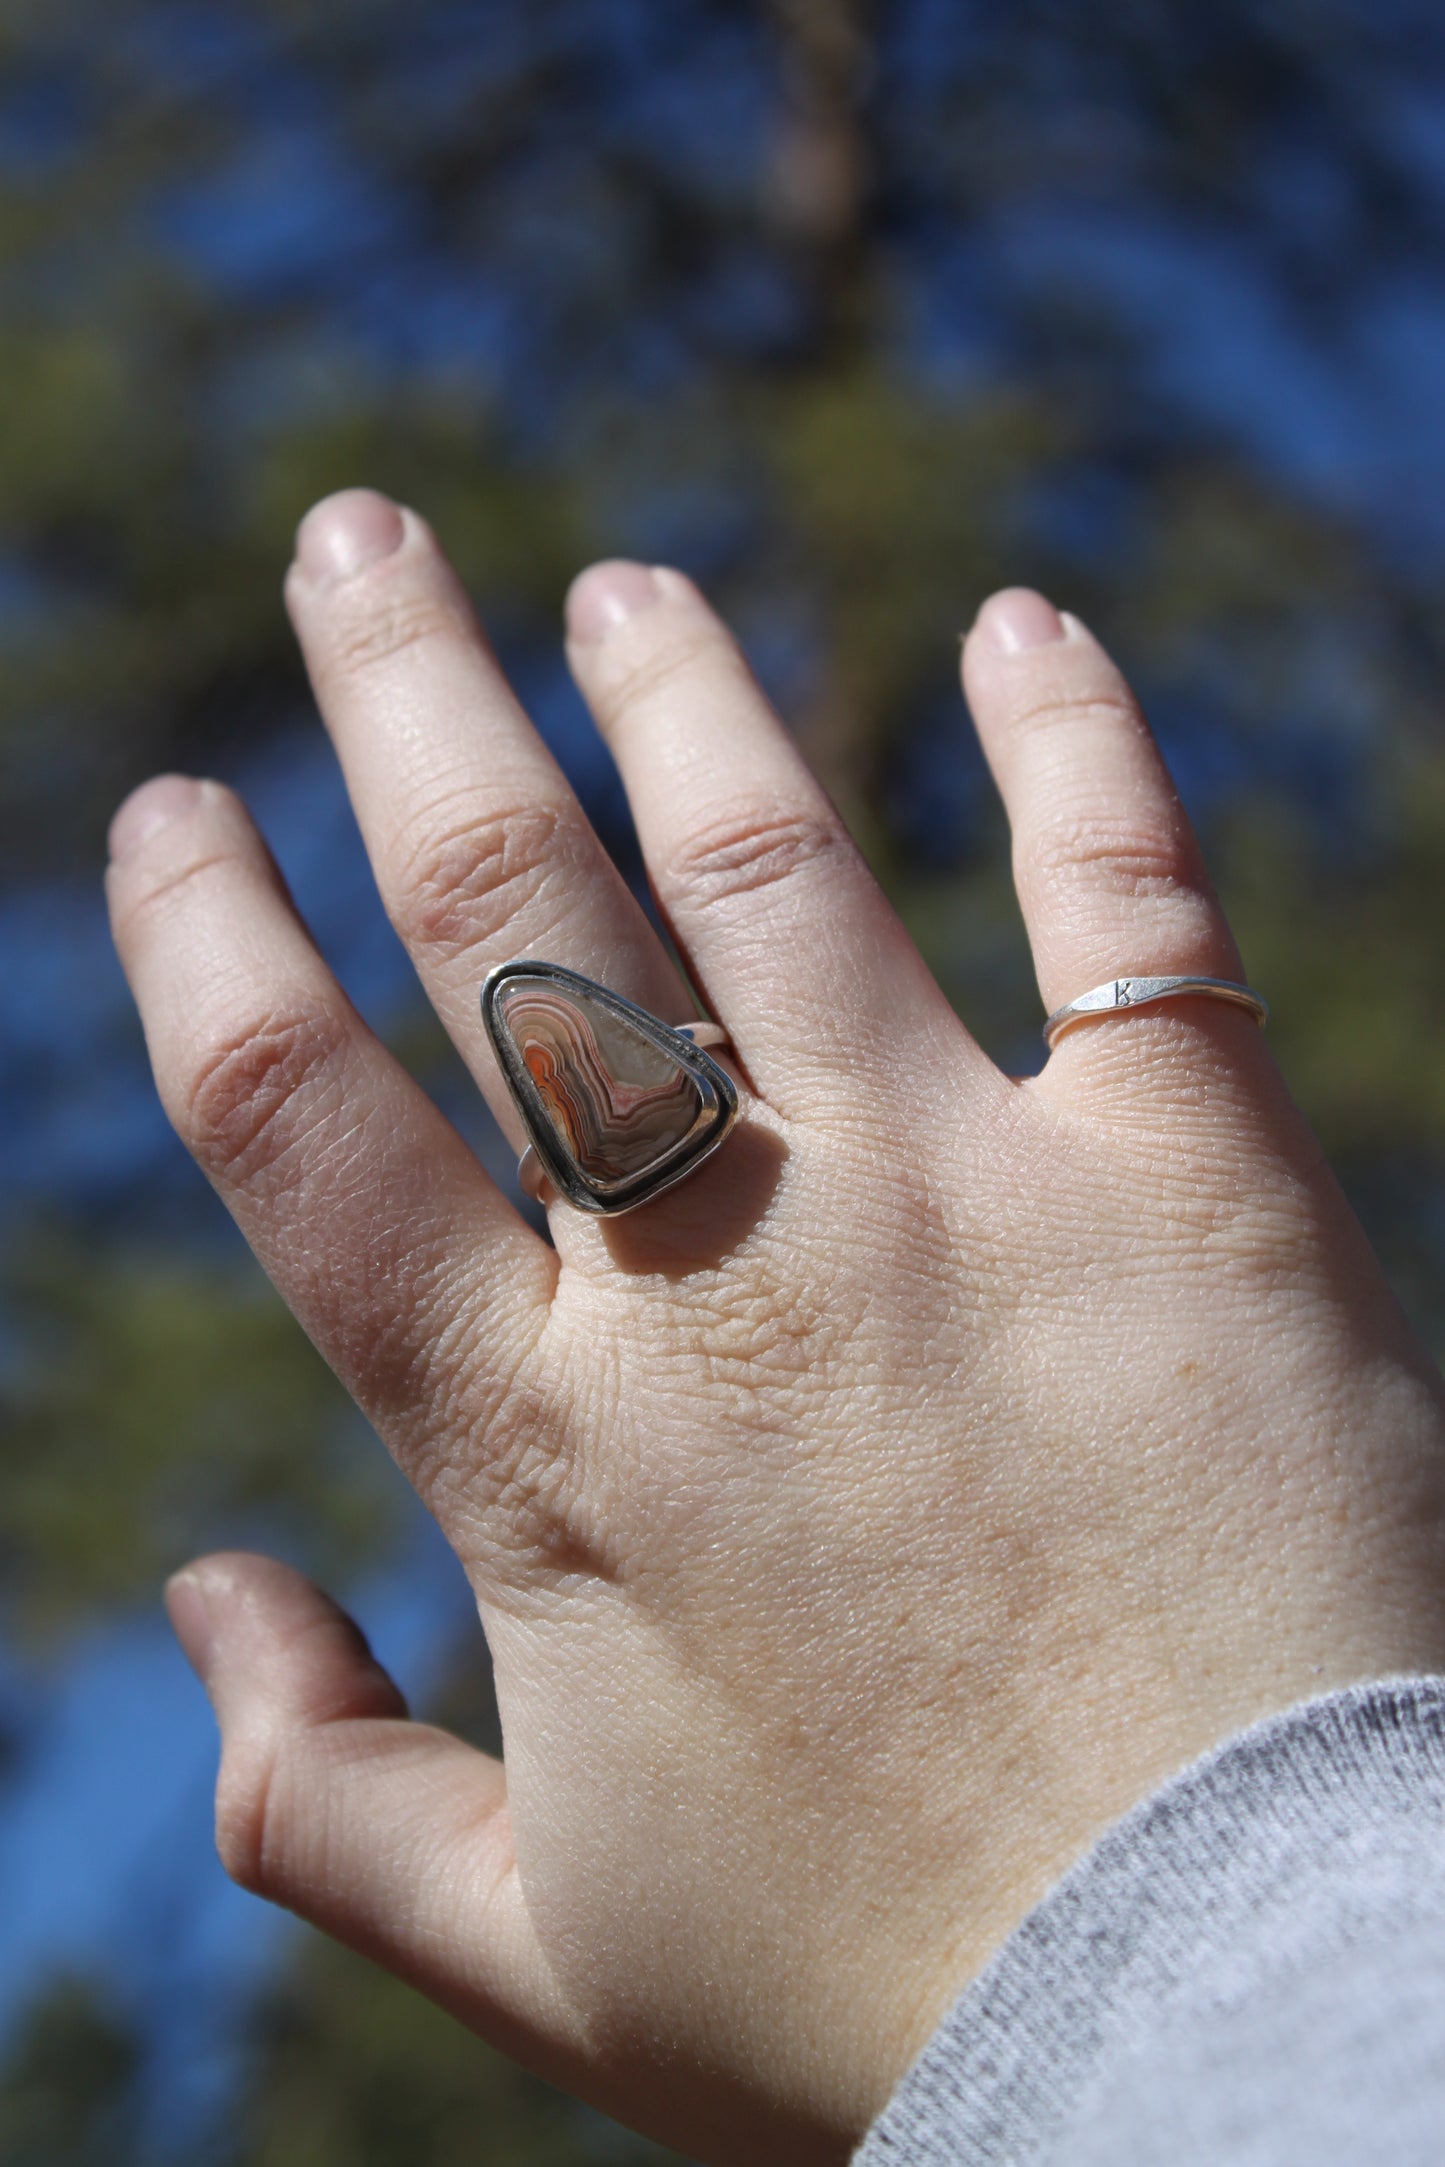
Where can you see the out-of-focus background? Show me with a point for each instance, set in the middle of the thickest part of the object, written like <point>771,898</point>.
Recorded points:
<point>854,311</point>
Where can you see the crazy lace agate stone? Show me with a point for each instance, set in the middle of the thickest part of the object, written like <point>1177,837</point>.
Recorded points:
<point>617,1104</point>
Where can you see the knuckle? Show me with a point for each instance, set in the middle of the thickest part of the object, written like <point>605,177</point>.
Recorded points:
<point>766,1343</point>
<point>384,617</point>
<point>247,1814</point>
<point>152,904</point>
<point>1134,860</point>
<point>672,665</point>
<point>1253,1243</point>
<point>749,848</point>
<point>1059,709</point>
<point>529,1492</point>
<point>238,1108</point>
<point>463,885</point>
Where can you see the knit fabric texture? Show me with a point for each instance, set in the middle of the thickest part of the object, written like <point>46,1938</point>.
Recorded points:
<point>1246,1971</point>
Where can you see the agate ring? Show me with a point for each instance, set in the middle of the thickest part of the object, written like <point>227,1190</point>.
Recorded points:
<point>1118,995</point>
<point>616,1104</point>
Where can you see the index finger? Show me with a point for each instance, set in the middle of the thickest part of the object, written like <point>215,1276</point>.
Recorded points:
<point>407,1267</point>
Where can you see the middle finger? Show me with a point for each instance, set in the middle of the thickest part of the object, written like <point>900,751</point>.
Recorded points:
<point>479,845</point>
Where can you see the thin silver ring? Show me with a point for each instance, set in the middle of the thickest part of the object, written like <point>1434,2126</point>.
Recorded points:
<point>1118,994</point>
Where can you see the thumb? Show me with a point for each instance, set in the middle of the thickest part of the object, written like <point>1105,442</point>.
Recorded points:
<point>392,1836</point>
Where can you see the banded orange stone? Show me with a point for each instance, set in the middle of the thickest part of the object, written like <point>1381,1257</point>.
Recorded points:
<point>617,1104</point>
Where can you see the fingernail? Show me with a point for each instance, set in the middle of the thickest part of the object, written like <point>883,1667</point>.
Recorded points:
<point>186,1606</point>
<point>606,595</point>
<point>150,808</point>
<point>343,534</point>
<point>1019,618</point>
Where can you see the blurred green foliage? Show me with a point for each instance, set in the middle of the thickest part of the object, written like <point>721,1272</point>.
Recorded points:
<point>345,2067</point>
<point>578,279</point>
<point>68,2087</point>
<point>160,1406</point>
<point>355,2070</point>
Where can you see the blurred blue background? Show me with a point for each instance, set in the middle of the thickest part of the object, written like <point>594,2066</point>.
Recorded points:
<point>856,311</point>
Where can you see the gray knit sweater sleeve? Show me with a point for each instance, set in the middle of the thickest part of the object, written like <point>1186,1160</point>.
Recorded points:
<point>1248,1971</point>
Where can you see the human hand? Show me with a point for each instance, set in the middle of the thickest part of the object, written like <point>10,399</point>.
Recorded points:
<point>861,1525</point>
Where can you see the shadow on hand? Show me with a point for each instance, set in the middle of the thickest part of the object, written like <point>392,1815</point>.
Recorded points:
<point>709,1215</point>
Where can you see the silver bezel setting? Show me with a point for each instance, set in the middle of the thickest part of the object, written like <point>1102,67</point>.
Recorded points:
<point>716,1115</point>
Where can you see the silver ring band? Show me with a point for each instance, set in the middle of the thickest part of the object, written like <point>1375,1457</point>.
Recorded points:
<point>703,1034</point>
<point>1118,994</point>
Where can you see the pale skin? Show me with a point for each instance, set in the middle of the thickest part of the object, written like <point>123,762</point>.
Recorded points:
<point>859,1527</point>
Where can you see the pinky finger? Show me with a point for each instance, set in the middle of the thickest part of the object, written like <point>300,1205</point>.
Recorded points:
<point>1109,873</point>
